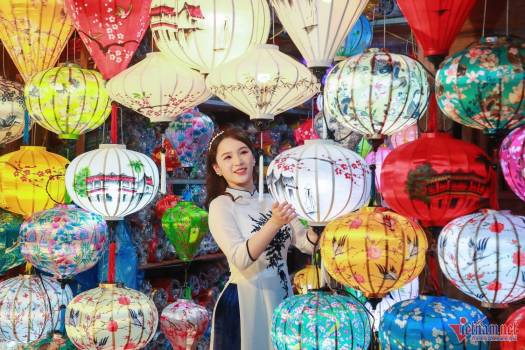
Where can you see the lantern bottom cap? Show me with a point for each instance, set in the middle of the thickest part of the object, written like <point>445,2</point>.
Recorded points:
<point>68,136</point>
<point>494,306</point>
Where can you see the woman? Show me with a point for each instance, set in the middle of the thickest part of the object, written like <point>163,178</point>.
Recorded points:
<point>255,237</point>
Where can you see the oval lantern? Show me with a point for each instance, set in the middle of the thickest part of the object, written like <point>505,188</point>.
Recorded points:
<point>373,250</point>
<point>357,41</point>
<point>67,100</point>
<point>158,87</point>
<point>321,180</point>
<point>377,93</point>
<point>481,254</point>
<point>110,30</point>
<point>208,33</point>
<point>511,156</point>
<point>320,320</point>
<point>12,111</point>
<point>428,322</point>
<point>436,179</point>
<point>404,136</point>
<point>34,33</point>
<point>482,86</point>
<point>30,307</point>
<point>325,125</point>
<point>31,180</point>
<point>184,323</point>
<point>64,240</point>
<point>111,318</point>
<point>112,181</point>
<point>516,328</point>
<point>185,226</point>
<point>307,278</point>
<point>10,255</point>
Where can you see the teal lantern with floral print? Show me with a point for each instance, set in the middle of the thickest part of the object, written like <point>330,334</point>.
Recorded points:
<point>482,86</point>
<point>9,248</point>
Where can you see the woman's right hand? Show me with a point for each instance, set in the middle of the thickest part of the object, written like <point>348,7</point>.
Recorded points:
<point>282,214</point>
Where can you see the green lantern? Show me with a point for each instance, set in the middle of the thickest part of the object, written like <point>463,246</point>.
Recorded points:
<point>482,86</point>
<point>185,226</point>
<point>10,255</point>
<point>68,100</point>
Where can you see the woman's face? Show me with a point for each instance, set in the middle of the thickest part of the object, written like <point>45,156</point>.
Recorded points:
<point>235,163</point>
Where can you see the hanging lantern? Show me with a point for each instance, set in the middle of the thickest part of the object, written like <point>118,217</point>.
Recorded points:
<point>263,82</point>
<point>515,327</point>
<point>112,181</point>
<point>377,93</point>
<point>436,179</point>
<point>318,27</point>
<point>12,110</point>
<point>110,30</point>
<point>377,158</point>
<point>404,136</point>
<point>320,320</point>
<point>30,307</point>
<point>357,41</point>
<point>482,86</point>
<point>34,33</point>
<point>327,124</point>
<point>111,318</point>
<point>184,323</point>
<point>10,255</point>
<point>190,134</point>
<point>208,33</point>
<point>158,87</point>
<point>67,100</point>
<point>31,180</point>
<point>373,250</point>
<point>307,279</point>
<point>431,322</point>
<point>511,157</point>
<point>64,240</point>
<point>185,226</point>
<point>481,255</point>
<point>172,160</point>
<point>167,202</point>
<point>305,131</point>
<point>321,180</point>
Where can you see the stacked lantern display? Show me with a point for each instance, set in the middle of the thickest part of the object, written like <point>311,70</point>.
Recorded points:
<point>511,158</point>
<point>10,255</point>
<point>358,40</point>
<point>12,111</point>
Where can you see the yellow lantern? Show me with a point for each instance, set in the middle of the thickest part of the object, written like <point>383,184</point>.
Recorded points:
<point>31,180</point>
<point>34,33</point>
<point>307,279</point>
<point>374,250</point>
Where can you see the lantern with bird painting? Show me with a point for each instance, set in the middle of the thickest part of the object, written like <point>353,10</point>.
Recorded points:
<point>13,118</point>
<point>10,255</point>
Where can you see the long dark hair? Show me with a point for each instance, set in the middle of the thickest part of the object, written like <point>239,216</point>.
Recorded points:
<point>215,184</point>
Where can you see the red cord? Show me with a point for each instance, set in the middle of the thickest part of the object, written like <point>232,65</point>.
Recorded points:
<point>111,263</point>
<point>114,123</point>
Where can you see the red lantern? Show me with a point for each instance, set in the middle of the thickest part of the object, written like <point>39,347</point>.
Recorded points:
<point>172,161</point>
<point>515,325</point>
<point>110,29</point>
<point>167,202</point>
<point>437,178</point>
<point>435,23</point>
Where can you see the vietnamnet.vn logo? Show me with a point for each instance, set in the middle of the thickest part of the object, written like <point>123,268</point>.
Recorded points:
<point>480,331</point>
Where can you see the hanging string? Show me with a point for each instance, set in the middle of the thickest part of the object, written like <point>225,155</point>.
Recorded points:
<point>114,123</point>
<point>121,128</point>
<point>507,20</point>
<point>384,26</point>
<point>104,132</point>
<point>163,166</point>
<point>111,257</point>
<point>75,46</point>
<point>484,18</point>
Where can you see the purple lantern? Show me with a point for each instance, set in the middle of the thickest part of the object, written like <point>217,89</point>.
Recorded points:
<point>512,155</point>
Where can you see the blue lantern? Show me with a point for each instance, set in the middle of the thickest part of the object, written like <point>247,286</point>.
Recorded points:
<point>357,41</point>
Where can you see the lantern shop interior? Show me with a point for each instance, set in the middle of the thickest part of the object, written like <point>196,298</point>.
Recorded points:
<point>396,128</point>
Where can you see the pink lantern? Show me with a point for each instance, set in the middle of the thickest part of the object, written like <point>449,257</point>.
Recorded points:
<point>377,158</point>
<point>184,322</point>
<point>512,156</point>
<point>305,131</point>
<point>406,135</point>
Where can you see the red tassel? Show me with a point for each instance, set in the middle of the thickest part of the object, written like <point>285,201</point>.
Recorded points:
<point>114,123</point>
<point>111,262</point>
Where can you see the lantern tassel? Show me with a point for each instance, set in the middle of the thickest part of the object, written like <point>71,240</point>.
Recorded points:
<point>163,168</point>
<point>114,123</point>
<point>111,262</point>
<point>27,121</point>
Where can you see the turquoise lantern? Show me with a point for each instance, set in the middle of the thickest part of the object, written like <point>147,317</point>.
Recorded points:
<point>357,41</point>
<point>10,255</point>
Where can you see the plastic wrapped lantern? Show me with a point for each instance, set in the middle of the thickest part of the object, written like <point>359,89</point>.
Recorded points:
<point>10,255</point>
<point>436,179</point>
<point>321,180</point>
<point>30,307</point>
<point>516,323</point>
<point>307,278</point>
<point>482,86</point>
<point>326,124</point>
<point>12,111</point>
<point>357,41</point>
<point>158,87</point>
<point>165,203</point>
<point>64,240</point>
<point>511,156</point>
<point>111,318</point>
<point>208,33</point>
<point>431,322</point>
<point>112,181</point>
<point>185,226</point>
<point>184,323</point>
<point>482,256</point>
<point>68,100</point>
<point>320,320</point>
<point>377,93</point>
<point>31,180</point>
<point>373,250</point>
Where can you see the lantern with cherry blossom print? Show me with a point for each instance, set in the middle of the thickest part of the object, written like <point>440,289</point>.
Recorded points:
<point>515,323</point>
<point>111,318</point>
<point>184,322</point>
<point>483,255</point>
<point>511,155</point>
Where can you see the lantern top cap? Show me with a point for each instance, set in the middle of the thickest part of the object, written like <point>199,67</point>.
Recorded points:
<point>319,142</point>
<point>32,148</point>
<point>266,46</point>
<point>111,145</point>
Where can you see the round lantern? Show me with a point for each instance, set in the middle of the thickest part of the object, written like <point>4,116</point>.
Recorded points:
<point>481,254</point>
<point>10,255</point>
<point>377,93</point>
<point>158,87</point>
<point>327,124</point>
<point>357,41</point>
<point>208,33</point>
<point>320,320</point>
<point>67,100</point>
<point>436,179</point>
<point>515,328</point>
<point>185,226</point>
<point>404,136</point>
<point>184,323</point>
<point>377,158</point>
<point>64,240</point>
<point>112,181</point>
<point>321,180</point>
<point>111,318</point>
<point>31,180</point>
<point>30,307</point>
<point>511,156</point>
<point>482,86</point>
<point>263,82</point>
<point>430,322</point>
<point>165,203</point>
<point>12,111</point>
<point>307,279</point>
<point>373,250</point>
